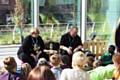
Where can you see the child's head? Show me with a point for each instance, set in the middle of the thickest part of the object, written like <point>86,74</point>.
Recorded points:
<point>96,64</point>
<point>116,60</point>
<point>55,59</point>
<point>78,59</point>
<point>10,64</point>
<point>41,73</point>
<point>90,61</point>
<point>26,69</point>
<point>111,48</point>
<point>42,61</point>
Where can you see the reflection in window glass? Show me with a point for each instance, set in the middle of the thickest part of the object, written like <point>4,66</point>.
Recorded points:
<point>102,16</point>
<point>57,11</point>
<point>41,2</point>
<point>60,13</point>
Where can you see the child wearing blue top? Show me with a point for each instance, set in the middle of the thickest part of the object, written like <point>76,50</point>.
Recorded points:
<point>55,61</point>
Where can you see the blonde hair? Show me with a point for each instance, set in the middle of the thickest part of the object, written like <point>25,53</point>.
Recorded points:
<point>26,69</point>
<point>34,30</point>
<point>78,59</point>
<point>73,27</point>
<point>42,61</point>
<point>10,64</point>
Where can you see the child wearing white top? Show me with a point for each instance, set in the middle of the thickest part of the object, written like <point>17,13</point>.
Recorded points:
<point>77,73</point>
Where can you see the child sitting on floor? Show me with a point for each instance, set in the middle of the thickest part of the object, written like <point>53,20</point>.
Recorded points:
<point>55,61</point>
<point>116,61</point>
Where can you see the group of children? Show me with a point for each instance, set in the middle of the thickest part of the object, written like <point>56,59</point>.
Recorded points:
<point>56,68</point>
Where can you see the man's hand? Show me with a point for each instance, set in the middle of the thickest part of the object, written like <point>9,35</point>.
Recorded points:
<point>35,57</point>
<point>77,48</point>
<point>69,50</point>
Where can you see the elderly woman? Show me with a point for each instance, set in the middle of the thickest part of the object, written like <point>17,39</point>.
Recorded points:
<point>32,48</point>
<point>77,73</point>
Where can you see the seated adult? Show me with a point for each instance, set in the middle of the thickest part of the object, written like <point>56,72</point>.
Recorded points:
<point>32,48</point>
<point>106,58</point>
<point>70,43</point>
<point>77,73</point>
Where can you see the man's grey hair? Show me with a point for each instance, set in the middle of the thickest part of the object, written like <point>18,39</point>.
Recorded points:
<point>74,27</point>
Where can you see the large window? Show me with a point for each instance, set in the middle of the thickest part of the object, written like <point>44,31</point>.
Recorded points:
<point>102,17</point>
<point>58,11</point>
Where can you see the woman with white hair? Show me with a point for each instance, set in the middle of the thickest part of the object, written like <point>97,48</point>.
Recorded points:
<point>32,48</point>
<point>77,73</point>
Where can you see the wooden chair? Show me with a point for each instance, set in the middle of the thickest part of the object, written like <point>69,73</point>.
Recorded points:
<point>97,47</point>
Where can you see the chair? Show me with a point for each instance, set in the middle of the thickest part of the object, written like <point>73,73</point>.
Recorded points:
<point>97,47</point>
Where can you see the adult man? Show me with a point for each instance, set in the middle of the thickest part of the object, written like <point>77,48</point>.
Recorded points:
<point>70,43</point>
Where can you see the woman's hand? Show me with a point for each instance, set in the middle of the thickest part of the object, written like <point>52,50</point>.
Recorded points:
<point>34,56</point>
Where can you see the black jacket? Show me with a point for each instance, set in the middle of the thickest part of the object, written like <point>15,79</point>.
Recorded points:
<point>68,41</point>
<point>28,45</point>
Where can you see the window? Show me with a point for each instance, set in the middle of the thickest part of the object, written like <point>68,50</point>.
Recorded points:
<point>102,17</point>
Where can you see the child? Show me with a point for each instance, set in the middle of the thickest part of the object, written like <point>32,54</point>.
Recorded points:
<point>77,73</point>
<point>55,61</point>
<point>89,64</point>
<point>43,61</point>
<point>106,58</point>
<point>9,70</point>
<point>26,68</point>
<point>116,61</point>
